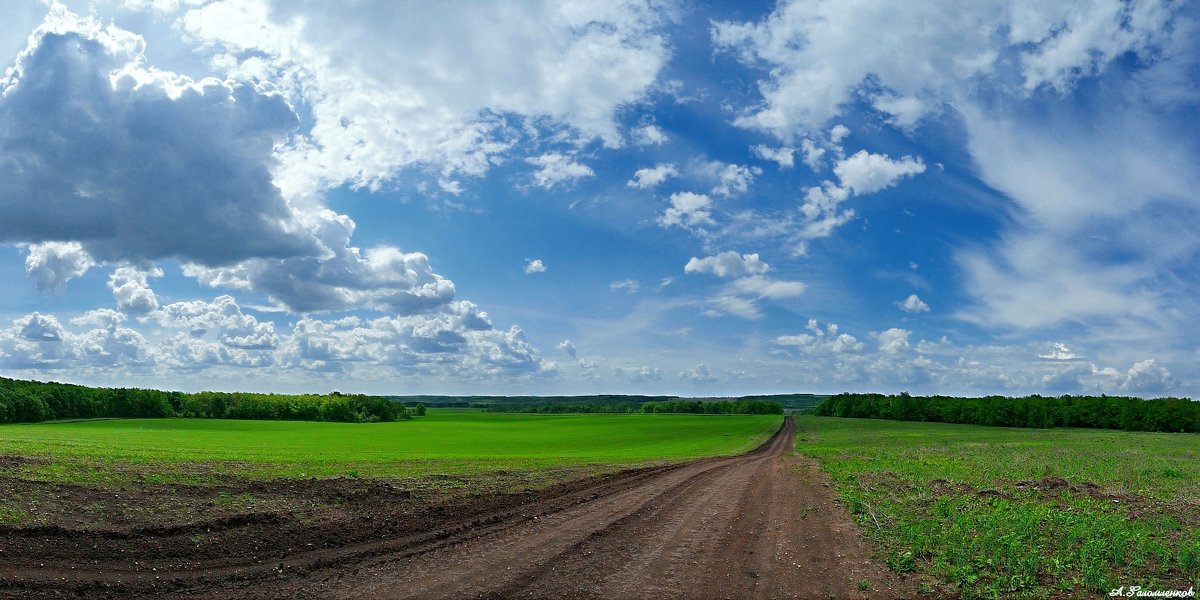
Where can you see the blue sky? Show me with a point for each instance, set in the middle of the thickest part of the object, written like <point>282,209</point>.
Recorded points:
<point>602,197</point>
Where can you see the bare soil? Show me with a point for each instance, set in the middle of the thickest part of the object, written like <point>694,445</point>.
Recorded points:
<point>759,525</point>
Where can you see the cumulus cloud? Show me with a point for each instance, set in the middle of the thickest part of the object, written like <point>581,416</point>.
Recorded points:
<point>652,176</point>
<point>740,297</point>
<point>699,374</point>
<point>534,266</point>
<point>458,343</point>
<point>818,340</point>
<point>131,288</point>
<point>943,50</point>
<point>382,96</point>
<point>688,210</point>
<point>913,304</point>
<point>382,278</point>
<point>784,156</point>
<point>893,340</point>
<point>37,343</point>
<point>566,347</point>
<point>861,173</point>
<point>648,135</point>
<point>52,264</point>
<point>866,173</point>
<point>733,179</point>
<point>1010,75</point>
<point>1146,376</point>
<point>109,160</point>
<point>728,264</point>
<point>814,154</point>
<point>220,321</point>
<point>638,374</point>
<point>1059,351</point>
<point>555,168</point>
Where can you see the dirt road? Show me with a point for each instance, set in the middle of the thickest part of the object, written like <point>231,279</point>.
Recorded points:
<point>759,525</point>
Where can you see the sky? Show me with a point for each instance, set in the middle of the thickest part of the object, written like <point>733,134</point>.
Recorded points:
<point>631,196</point>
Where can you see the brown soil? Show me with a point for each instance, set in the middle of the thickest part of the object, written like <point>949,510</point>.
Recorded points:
<point>760,525</point>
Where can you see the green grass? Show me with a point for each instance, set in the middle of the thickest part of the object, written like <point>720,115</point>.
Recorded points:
<point>444,442</point>
<point>985,510</point>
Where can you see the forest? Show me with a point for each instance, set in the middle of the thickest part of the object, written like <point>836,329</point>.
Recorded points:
<point>641,404</point>
<point>34,401</point>
<point>1098,412</point>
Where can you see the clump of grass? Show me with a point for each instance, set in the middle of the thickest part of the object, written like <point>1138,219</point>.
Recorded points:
<point>998,512</point>
<point>11,515</point>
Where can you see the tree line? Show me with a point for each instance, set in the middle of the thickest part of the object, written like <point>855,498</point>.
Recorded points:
<point>715,407</point>
<point>1098,412</point>
<point>562,407</point>
<point>33,401</point>
<point>700,407</point>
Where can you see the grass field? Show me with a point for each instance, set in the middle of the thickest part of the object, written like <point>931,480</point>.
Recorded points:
<point>444,442</point>
<point>998,512</point>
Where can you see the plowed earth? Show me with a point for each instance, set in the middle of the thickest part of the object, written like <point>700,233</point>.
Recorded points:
<point>759,525</point>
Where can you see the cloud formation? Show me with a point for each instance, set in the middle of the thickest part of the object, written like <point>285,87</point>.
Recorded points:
<point>913,304</point>
<point>381,99</point>
<point>107,160</point>
<point>652,176</point>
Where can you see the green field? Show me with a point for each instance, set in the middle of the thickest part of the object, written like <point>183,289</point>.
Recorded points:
<point>444,442</point>
<point>1000,512</point>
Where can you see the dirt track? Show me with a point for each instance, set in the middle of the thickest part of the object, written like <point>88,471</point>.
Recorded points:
<point>760,525</point>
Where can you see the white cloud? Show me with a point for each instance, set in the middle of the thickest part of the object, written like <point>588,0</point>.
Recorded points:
<point>628,285</point>
<point>814,155</point>
<point>866,173</point>
<point>392,86</point>
<point>557,169</point>
<point>731,304</point>
<point>52,264</point>
<point>566,347</point>
<point>827,341</point>
<point>923,55</point>
<point>903,111</point>
<point>381,278</point>
<point>750,284</point>
<point>699,374</point>
<point>534,266</point>
<point>913,304</point>
<point>40,328</point>
<point>1059,351</point>
<point>652,176</point>
<point>728,264</point>
<point>765,287</point>
<point>733,179</point>
<point>688,210</point>
<point>647,135</point>
<point>131,288</point>
<point>837,134</point>
<point>861,173</point>
<point>785,157</point>
<point>638,374</point>
<point>893,340</point>
<point>1147,377</point>
<point>1009,72</point>
<point>38,343</point>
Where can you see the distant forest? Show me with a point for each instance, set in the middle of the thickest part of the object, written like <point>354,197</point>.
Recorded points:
<point>641,404</point>
<point>33,401</point>
<point>1098,412</point>
<point>604,403</point>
